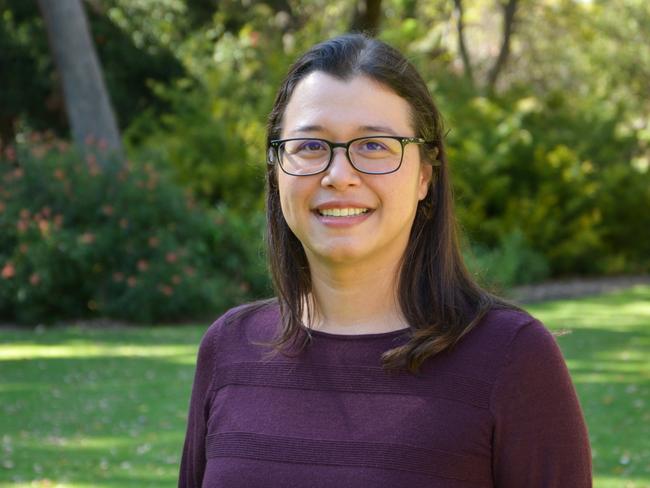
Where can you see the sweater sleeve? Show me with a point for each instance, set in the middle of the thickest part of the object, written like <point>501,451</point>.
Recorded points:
<point>193,458</point>
<point>540,438</point>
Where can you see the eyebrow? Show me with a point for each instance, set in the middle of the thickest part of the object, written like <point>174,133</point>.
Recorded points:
<point>363,128</point>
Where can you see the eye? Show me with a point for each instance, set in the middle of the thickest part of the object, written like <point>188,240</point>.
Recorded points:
<point>372,145</point>
<point>311,146</point>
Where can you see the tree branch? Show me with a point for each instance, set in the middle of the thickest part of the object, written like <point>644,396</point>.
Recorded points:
<point>509,12</point>
<point>464,53</point>
<point>367,15</point>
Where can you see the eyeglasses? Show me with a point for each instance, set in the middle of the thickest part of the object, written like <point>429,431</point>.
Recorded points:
<point>375,155</point>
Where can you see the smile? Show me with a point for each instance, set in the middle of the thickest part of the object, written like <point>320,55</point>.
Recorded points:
<point>342,212</point>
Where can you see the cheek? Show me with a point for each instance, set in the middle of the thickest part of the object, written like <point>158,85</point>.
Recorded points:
<point>292,198</point>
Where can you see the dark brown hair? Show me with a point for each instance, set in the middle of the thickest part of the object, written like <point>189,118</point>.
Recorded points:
<point>436,293</point>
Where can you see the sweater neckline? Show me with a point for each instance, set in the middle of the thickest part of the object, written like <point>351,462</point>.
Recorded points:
<point>349,337</point>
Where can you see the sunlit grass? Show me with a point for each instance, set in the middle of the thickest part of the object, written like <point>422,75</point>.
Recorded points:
<point>94,407</point>
<point>607,349</point>
<point>104,408</point>
<point>78,349</point>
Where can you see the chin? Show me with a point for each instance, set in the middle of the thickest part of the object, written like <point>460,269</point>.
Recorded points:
<point>339,255</point>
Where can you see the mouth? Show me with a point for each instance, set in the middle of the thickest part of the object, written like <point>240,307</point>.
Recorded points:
<point>341,212</point>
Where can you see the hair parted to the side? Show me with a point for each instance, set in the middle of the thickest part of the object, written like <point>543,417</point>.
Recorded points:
<point>438,296</point>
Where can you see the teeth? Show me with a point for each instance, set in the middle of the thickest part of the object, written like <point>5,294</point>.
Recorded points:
<point>342,212</point>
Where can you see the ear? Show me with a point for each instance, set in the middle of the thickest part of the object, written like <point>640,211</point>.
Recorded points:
<point>426,174</point>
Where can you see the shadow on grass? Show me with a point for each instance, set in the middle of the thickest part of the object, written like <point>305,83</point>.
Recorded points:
<point>101,421</point>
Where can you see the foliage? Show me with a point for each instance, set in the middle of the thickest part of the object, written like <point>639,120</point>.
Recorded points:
<point>551,167</point>
<point>558,154</point>
<point>213,135</point>
<point>512,262</point>
<point>124,242</point>
<point>32,98</point>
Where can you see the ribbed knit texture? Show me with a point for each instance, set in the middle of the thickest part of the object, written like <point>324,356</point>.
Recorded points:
<point>498,410</point>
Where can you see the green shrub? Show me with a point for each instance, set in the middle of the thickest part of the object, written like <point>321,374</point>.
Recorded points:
<point>512,262</point>
<point>213,135</point>
<point>558,169</point>
<point>77,240</point>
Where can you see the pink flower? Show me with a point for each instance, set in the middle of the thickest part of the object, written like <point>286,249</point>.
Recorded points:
<point>10,153</point>
<point>143,265</point>
<point>87,238</point>
<point>22,226</point>
<point>171,257</point>
<point>9,271</point>
<point>189,271</point>
<point>38,151</point>
<point>102,144</point>
<point>94,170</point>
<point>154,241</point>
<point>166,289</point>
<point>59,174</point>
<point>44,226</point>
<point>131,281</point>
<point>23,248</point>
<point>176,279</point>
<point>107,209</point>
<point>24,213</point>
<point>34,279</point>
<point>19,173</point>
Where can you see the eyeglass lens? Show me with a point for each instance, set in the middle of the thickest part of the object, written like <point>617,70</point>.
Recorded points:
<point>372,155</point>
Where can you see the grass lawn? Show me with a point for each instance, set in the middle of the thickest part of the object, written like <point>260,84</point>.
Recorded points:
<point>106,407</point>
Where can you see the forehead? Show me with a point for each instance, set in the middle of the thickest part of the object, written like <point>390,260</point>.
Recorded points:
<point>345,107</point>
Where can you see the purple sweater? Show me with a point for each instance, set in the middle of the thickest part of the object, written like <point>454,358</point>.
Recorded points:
<point>499,410</point>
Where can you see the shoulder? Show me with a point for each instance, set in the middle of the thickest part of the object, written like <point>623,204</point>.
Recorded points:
<point>528,359</point>
<point>499,338</point>
<point>503,328</point>
<point>499,328</point>
<point>517,332</point>
<point>241,325</point>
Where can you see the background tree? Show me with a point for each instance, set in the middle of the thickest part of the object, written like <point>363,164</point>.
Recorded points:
<point>86,98</point>
<point>367,17</point>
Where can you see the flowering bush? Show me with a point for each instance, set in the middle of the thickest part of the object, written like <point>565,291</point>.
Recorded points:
<point>79,239</point>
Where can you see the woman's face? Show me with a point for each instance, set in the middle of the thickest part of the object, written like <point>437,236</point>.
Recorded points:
<point>325,107</point>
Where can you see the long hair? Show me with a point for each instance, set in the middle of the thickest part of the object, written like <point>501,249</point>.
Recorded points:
<point>437,295</point>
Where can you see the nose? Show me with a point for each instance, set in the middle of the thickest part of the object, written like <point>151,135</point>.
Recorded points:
<point>340,174</point>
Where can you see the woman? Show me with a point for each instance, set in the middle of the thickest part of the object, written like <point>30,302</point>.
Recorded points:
<point>390,367</point>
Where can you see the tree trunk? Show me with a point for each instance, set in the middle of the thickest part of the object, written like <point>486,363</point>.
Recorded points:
<point>87,101</point>
<point>464,53</point>
<point>367,16</point>
<point>509,11</point>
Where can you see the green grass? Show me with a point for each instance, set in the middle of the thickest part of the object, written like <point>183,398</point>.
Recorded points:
<point>607,349</point>
<point>106,407</point>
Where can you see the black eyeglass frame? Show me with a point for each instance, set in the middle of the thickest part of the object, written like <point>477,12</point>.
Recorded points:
<point>274,146</point>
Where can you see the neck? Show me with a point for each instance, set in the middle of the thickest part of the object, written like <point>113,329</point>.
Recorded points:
<point>360,299</point>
